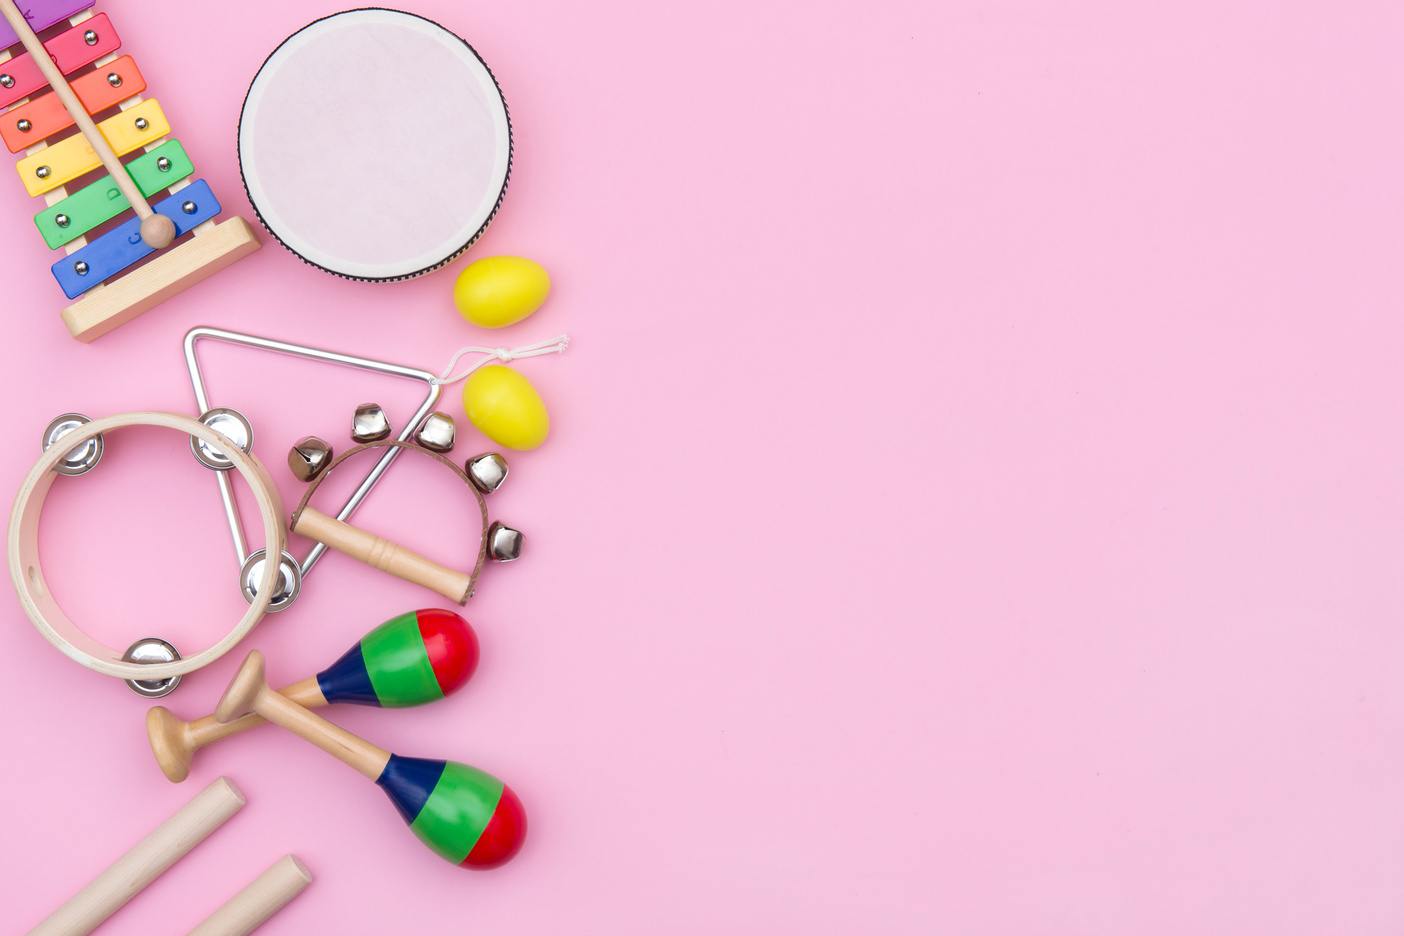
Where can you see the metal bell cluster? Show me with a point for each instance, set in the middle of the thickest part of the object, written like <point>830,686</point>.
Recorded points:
<point>311,456</point>
<point>487,472</point>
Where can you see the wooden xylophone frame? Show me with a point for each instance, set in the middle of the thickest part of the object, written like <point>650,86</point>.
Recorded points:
<point>122,291</point>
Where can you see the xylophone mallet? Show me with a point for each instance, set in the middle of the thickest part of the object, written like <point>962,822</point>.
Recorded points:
<point>461,813</point>
<point>413,659</point>
<point>157,230</point>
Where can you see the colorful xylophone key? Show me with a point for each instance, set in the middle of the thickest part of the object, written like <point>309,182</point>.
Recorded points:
<point>98,90</point>
<point>41,14</point>
<point>71,50</point>
<point>102,201</point>
<point>72,157</point>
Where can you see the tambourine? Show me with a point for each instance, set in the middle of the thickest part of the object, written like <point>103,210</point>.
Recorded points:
<point>375,145</point>
<point>78,450</point>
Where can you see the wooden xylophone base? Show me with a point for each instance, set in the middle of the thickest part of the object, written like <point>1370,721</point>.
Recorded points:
<point>174,271</point>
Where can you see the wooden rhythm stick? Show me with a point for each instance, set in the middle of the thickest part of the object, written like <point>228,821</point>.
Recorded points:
<point>461,813</point>
<point>247,910</point>
<point>412,659</point>
<point>126,876</point>
<point>157,230</point>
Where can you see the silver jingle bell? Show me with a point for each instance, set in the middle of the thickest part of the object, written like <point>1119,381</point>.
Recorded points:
<point>487,472</point>
<point>309,457</point>
<point>436,433</point>
<point>287,583</point>
<point>83,458</point>
<point>229,423</point>
<point>152,650</point>
<point>504,543</point>
<point>369,424</point>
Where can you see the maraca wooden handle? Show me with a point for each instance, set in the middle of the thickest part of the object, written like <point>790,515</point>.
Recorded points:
<point>247,910</point>
<point>203,731</point>
<point>383,554</point>
<point>126,876</point>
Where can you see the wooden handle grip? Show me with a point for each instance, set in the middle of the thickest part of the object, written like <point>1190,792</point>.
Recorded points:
<point>202,731</point>
<point>247,910</point>
<point>126,876</point>
<point>383,554</point>
<point>355,752</point>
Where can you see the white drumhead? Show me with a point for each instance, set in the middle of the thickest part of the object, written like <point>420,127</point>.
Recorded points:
<point>375,144</point>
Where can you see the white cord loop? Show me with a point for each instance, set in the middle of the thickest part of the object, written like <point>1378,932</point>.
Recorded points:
<point>551,346</point>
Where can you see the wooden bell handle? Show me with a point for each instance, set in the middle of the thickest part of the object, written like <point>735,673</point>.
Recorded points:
<point>382,554</point>
<point>157,233</point>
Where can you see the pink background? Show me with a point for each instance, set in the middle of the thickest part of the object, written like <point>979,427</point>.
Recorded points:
<point>973,502</point>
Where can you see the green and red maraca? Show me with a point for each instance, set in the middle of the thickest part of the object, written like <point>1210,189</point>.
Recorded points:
<point>416,658</point>
<point>463,814</point>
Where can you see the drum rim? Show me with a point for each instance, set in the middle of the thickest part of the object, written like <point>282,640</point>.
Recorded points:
<point>458,252</point>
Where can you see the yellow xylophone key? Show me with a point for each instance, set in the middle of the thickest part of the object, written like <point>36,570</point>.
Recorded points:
<point>72,157</point>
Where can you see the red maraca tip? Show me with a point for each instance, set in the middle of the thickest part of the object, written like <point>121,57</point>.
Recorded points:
<point>452,647</point>
<point>503,837</point>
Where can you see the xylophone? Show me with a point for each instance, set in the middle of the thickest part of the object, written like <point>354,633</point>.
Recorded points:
<point>101,273</point>
<point>416,658</point>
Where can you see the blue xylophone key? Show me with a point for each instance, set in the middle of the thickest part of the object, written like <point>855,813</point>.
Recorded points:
<point>122,246</point>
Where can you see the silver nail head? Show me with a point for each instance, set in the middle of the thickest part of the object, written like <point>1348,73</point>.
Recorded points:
<point>309,457</point>
<point>114,79</point>
<point>152,650</point>
<point>62,220</point>
<point>188,207</point>
<point>7,81</point>
<point>141,123</point>
<point>24,125</point>
<point>286,583</point>
<point>90,37</point>
<point>43,172</point>
<point>487,472</point>
<point>83,458</point>
<point>80,268</point>
<point>436,433</point>
<point>369,424</point>
<point>230,424</point>
<point>163,164</point>
<point>504,543</point>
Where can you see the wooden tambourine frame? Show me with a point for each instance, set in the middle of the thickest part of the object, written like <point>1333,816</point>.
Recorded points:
<point>22,546</point>
<point>383,554</point>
